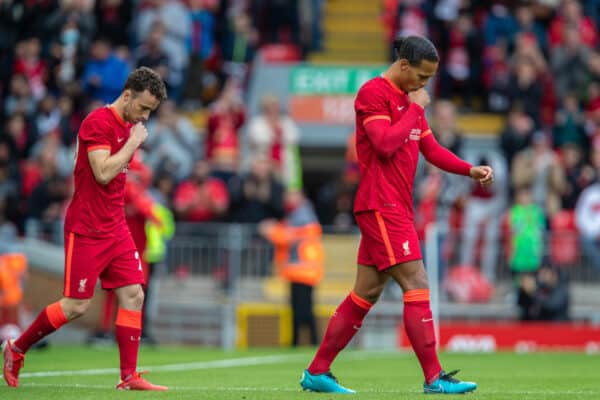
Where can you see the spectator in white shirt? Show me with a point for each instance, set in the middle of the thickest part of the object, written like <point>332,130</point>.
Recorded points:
<point>587,219</point>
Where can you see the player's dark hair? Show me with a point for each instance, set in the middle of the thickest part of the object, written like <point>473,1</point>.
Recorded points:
<point>144,78</point>
<point>415,49</point>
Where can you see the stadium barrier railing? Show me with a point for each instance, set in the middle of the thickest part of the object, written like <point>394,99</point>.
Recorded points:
<point>216,276</point>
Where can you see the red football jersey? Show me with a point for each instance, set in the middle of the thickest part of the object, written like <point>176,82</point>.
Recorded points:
<point>386,181</point>
<point>98,210</point>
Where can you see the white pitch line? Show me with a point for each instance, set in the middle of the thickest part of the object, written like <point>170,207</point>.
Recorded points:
<point>199,365</point>
<point>226,363</point>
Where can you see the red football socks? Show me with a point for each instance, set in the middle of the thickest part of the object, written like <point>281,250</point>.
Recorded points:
<point>48,321</point>
<point>343,325</point>
<point>128,330</point>
<point>418,323</point>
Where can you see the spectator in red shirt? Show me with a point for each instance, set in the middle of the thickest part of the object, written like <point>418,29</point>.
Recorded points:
<point>201,198</point>
<point>571,14</point>
<point>222,138</point>
<point>29,63</point>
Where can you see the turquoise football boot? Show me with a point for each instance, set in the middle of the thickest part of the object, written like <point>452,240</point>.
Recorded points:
<point>324,383</point>
<point>446,384</point>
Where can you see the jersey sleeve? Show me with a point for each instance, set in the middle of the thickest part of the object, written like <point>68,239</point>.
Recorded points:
<point>372,111</point>
<point>425,129</point>
<point>95,134</point>
<point>441,157</point>
<point>370,105</point>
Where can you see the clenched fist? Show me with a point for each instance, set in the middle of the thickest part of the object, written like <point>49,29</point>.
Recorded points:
<point>139,133</point>
<point>483,174</point>
<point>420,96</point>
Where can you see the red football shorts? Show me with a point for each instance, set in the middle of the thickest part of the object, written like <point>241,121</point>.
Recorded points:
<point>386,239</point>
<point>115,260</point>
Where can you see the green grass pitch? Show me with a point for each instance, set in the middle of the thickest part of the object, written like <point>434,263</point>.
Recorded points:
<point>82,373</point>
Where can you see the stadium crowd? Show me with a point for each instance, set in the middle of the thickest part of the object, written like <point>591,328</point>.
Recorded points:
<point>61,59</point>
<point>538,62</point>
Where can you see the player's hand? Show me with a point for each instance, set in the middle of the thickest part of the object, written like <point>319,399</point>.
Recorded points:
<point>139,133</point>
<point>483,174</point>
<point>420,96</point>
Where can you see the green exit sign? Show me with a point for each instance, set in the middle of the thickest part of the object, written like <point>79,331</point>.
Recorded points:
<point>330,80</point>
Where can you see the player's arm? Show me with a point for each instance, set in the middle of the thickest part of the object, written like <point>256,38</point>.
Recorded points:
<point>106,166</point>
<point>444,159</point>
<point>441,157</point>
<point>373,110</point>
<point>387,138</point>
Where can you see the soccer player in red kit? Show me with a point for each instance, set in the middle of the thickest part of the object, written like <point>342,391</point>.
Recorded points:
<point>98,243</point>
<point>391,130</point>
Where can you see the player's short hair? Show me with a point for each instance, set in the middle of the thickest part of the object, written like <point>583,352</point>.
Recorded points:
<point>415,49</point>
<point>144,78</point>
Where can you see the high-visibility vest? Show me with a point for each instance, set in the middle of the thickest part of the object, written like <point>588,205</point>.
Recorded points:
<point>299,254</point>
<point>158,235</point>
<point>12,272</point>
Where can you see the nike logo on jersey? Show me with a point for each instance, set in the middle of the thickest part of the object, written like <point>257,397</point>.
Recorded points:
<point>400,108</point>
<point>120,139</point>
<point>426,320</point>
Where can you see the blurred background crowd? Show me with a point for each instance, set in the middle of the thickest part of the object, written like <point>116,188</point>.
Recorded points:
<point>536,64</point>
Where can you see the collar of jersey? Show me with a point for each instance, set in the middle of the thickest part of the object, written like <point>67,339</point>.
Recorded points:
<point>117,116</point>
<point>396,88</point>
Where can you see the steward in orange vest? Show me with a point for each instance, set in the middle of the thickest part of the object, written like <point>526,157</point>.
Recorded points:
<point>13,267</point>
<point>299,258</point>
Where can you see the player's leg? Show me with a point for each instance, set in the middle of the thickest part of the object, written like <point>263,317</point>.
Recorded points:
<point>50,319</point>
<point>347,319</point>
<point>125,276</point>
<point>83,261</point>
<point>418,322</point>
<point>128,332</point>
<point>128,326</point>
<point>343,325</point>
